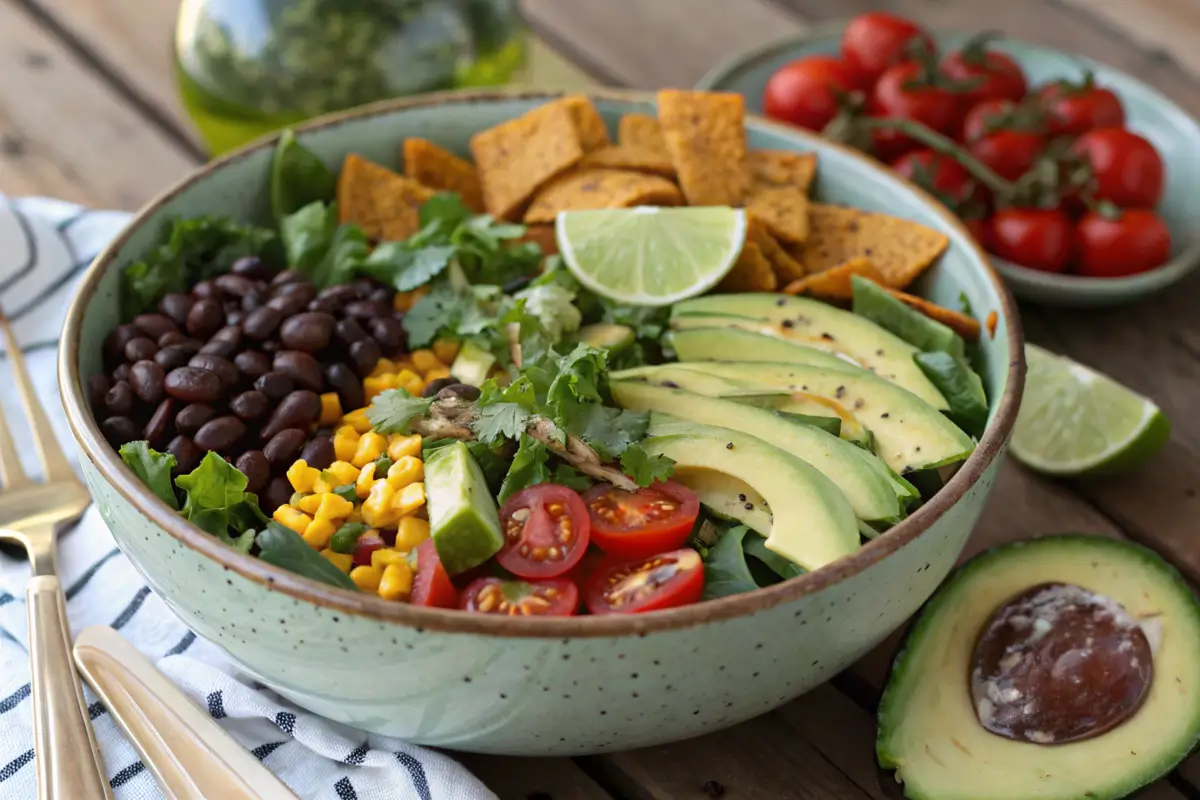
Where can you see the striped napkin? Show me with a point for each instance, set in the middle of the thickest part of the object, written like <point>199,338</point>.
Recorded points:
<point>45,245</point>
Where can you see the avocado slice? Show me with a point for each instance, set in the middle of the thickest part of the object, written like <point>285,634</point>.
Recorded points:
<point>812,524</point>
<point>607,336</point>
<point>873,302</point>
<point>813,324</point>
<point>472,364</point>
<point>463,520</point>
<point>962,388</point>
<point>861,476</point>
<point>928,727</point>
<point>736,344</point>
<point>731,499</point>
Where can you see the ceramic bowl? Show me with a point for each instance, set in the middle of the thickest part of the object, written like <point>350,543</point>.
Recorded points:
<point>1149,113</point>
<point>533,686</point>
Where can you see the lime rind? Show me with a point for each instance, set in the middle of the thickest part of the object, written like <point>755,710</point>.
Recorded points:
<point>649,255</point>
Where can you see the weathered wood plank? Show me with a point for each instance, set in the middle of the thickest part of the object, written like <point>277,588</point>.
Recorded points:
<point>525,778</point>
<point>1167,27</point>
<point>841,731</point>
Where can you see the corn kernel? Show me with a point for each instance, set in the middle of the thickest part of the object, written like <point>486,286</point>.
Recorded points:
<point>345,443</point>
<point>437,374</point>
<point>362,486</point>
<point>405,471</point>
<point>381,558</point>
<point>355,516</point>
<point>333,507</point>
<point>409,499</point>
<point>377,509</point>
<point>396,582</point>
<point>358,420</point>
<point>376,385</point>
<point>366,578</point>
<point>292,518</point>
<point>310,504</point>
<point>302,476</point>
<point>343,471</point>
<point>424,360</point>
<point>446,350</point>
<point>343,561</point>
<point>411,382</point>
<point>319,532</point>
<point>400,446</point>
<point>331,408</point>
<point>402,301</point>
<point>370,447</point>
<point>410,533</point>
<point>384,366</point>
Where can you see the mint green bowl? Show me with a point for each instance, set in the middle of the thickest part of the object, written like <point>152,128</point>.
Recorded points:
<point>533,686</point>
<point>1166,125</point>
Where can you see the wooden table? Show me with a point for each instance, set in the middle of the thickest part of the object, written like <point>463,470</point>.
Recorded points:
<point>88,112</point>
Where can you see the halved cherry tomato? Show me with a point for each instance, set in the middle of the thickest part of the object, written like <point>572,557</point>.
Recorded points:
<point>1076,108</point>
<point>907,91</point>
<point>554,597</point>
<point>431,585</point>
<point>999,76</point>
<point>1126,169</point>
<point>546,531</point>
<point>992,133</point>
<point>937,173</point>
<point>661,581</point>
<point>873,42</point>
<point>805,91</point>
<point>1136,241</point>
<point>1032,237</point>
<point>367,544</point>
<point>642,523</point>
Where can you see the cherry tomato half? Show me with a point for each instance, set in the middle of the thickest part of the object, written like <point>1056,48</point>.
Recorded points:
<point>936,173</point>
<point>1009,152</point>
<point>367,543</point>
<point>1126,169</point>
<point>873,42</point>
<point>642,523</point>
<point>1032,237</point>
<point>554,597</point>
<point>901,94</point>
<point>546,531</point>
<point>805,92</point>
<point>1136,241</point>
<point>661,581</point>
<point>1078,108</point>
<point>431,584</point>
<point>1002,78</point>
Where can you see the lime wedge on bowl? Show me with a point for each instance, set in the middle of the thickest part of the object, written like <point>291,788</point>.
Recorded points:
<point>650,256</point>
<point>1075,421</point>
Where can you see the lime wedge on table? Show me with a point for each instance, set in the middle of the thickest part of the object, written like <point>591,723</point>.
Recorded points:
<point>651,256</point>
<point>1075,421</point>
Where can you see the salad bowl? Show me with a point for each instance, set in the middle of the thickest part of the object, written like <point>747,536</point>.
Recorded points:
<point>520,685</point>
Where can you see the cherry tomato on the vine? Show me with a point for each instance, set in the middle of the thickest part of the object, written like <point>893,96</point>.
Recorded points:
<point>431,584</point>
<point>660,581</point>
<point>1126,169</point>
<point>642,523</point>
<point>999,143</point>
<point>1032,237</point>
<point>1137,240</point>
<point>553,597</point>
<point>873,42</point>
<point>805,91</point>
<point>1076,108</point>
<point>999,76</point>
<point>937,173</point>
<point>546,531</point>
<point>978,227</point>
<point>907,91</point>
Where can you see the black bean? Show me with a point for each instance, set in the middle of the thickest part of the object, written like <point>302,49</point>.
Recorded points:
<point>119,399</point>
<point>278,493</point>
<point>153,326</point>
<point>299,409</point>
<point>363,288</point>
<point>255,298</point>
<point>97,387</point>
<point>192,417</point>
<point>308,331</point>
<point>347,385</point>
<point>464,391</point>
<point>176,306</point>
<point>193,385</point>
<point>231,306</point>
<point>114,344</point>
<point>140,349</point>
<point>252,363</point>
<point>146,380</point>
<point>121,373</point>
<point>223,367</point>
<point>261,323</point>
<point>435,386</point>
<point>172,337</point>
<point>252,267</point>
<point>327,304</point>
<point>235,317</point>
<point>300,367</point>
<point>341,292</point>
<point>158,429</point>
<point>224,343</point>
<point>319,453</point>
<point>275,385</point>
<point>206,290</point>
<point>270,346</point>
<point>174,356</point>
<point>205,318</point>
<point>219,434</point>
<point>253,464</point>
<point>292,298</point>
<point>367,309</point>
<point>234,285</point>
<point>381,294</point>
<point>288,276</point>
<point>119,430</point>
<point>250,405</point>
<point>187,454</point>
<point>348,331</point>
<point>282,449</point>
<point>388,332</point>
<point>365,354</point>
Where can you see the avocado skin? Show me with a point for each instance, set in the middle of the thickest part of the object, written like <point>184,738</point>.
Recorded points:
<point>872,301</point>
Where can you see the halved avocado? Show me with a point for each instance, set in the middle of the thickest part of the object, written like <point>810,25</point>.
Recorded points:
<point>861,477</point>
<point>929,729</point>
<point>813,324</point>
<point>812,524</point>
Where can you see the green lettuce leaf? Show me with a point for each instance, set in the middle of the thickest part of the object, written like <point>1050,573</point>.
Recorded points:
<point>154,469</point>
<point>298,177</point>
<point>216,500</point>
<point>285,548</point>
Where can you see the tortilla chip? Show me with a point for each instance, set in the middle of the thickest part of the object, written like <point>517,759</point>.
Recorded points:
<point>786,268</point>
<point>964,326</point>
<point>784,209</point>
<point>642,131</point>
<point>443,171</point>
<point>835,284</point>
<point>543,236</point>
<point>516,157</point>
<point>638,159</point>
<point>992,319</point>
<point>707,141</point>
<point>750,273</point>
<point>582,189</point>
<point>781,168</point>
<point>593,133</point>
<point>899,248</point>
<point>384,204</point>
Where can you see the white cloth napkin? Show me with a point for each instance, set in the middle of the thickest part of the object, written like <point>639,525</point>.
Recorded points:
<point>45,245</point>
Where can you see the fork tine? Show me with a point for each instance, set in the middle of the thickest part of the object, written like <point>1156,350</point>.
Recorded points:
<point>54,463</point>
<point>11,473</point>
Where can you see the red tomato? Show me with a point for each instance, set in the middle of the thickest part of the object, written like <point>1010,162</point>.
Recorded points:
<point>1126,169</point>
<point>367,544</point>
<point>1002,78</point>
<point>647,584</point>
<point>642,523</point>
<point>1078,108</point>
<point>546,531</point>
<point>978,227</point>
<point>873,42</point>
<point>554,597</point>
<point>904,92</point>
<point>999,143</point>
<point>431,585</point>
<point>1032,237</point>
<point>805,92</point>
<point>936,173</point>
<point>1137,241</point>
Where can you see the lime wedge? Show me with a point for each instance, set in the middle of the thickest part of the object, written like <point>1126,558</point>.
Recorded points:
<point>1075,421</point>
<point>650,256</point>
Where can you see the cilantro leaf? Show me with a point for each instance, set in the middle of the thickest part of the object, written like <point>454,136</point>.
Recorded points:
<point>446,210</point>
<point>154,469</point>
<point>392,411</point>
<point>283,547</point>
<point>577,383</point>
<point>554,309</point>
<point>529,467</point>
<point>215,498</point>
<point>500,421</point>
<point>644,468</point>
<point>608,430</point>
<point>298,177</point>
<point>568,476</point>
<point>406,267</point>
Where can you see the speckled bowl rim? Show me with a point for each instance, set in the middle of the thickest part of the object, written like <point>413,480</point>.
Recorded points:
<point>108,463</point>
<point>1035,284</point>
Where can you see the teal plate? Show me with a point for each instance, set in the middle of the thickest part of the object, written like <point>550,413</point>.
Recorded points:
<point>1175,133</point>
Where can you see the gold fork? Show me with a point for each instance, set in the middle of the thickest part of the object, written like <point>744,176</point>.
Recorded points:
<point>69,766</point>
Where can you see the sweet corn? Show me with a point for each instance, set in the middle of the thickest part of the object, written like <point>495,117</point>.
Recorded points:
<point>355,516</point>
<point>400,446</point>
<point>343,472</point>
<point>323,486</point>
<point>345,443</point>
<point>366,578</point>
<point>358,421</point>
<point>319,532</point>
<point>331,408</point>
<point>292,518</point>
<point>310,503</point>
<point>424,360</point>
<point>437,373</point>
<point>384,366</point>
<point>410,533</point>
<point>409,499</point>
<point>302,476</point>
<point>343,561</point>
<point>376,385</point>
<point>333,507</point>
<point>381,558</point>
<point>370,447</point>
<point>362,486</point>
<point>396,582</point>
<point>377,509</point>
<point>402,301</point>
<point>405,471</point>
<point>446,350</point>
